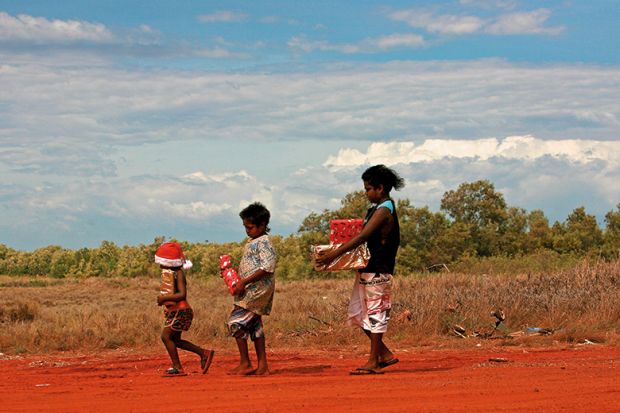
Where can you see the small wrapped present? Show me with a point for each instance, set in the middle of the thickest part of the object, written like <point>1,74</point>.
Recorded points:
<point>166,287</point>
<point>355,259</point>
<point>342,230</point>
<point>228,273</point>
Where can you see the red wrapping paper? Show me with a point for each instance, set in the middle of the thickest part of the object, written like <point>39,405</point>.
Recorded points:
<point>228,273</point>
<point>342,230</point>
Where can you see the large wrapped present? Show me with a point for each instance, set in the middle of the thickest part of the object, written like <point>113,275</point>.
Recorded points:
<point>342,230</point>
<point>228,273</point>
<point>354,259</point>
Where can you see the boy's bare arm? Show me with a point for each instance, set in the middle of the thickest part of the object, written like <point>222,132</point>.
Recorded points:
<point>240,286</point>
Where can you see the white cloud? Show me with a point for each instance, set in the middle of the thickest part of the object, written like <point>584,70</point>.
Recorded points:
<point>228,178</point>
<point>369,45</point>
<point>490,4</point>
<point>190,210</point>
<point>398,40</point>
<point>223,16</point>
<point>301,43</point>
<point>41,30</point>
<point>51,115</point>
<point>523,148</point>
<point>523,23</point>
<point>446,24</point>
<point>65,134</point>
<point>516,23</point>
<point>219,53</point>
<point>556,176</point>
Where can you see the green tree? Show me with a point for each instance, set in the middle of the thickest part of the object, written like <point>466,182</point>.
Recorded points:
<point>62,261</point>
<point>420,231</point>
<point>611,237</point>
<point>40,260</point>
<point>580,233</point>
<point>539,233</point>
<point>454,243</point>
<point>105,259</point>
<point>515,238</point>
<point>483,209</point>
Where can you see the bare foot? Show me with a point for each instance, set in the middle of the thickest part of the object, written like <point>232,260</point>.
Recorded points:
<point>387,361</point>
<point>262,371</point>
<point>369,366</point>
<point>241,370</point>
<point>247,371</point>
<point>385,357</point>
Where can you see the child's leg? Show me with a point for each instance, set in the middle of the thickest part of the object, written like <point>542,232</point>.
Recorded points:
<point>377,293</point>
<point>385,353</point>
<point>375,356</point>
<point>206,356</point>
<point>376,341</point>
<point>189,346</point>
<point>245,365</point>
<point>261,355</point>
<point>169,337</point>
<point>240,323</point>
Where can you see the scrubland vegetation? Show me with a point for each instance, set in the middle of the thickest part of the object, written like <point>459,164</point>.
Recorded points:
<point>578,303</point>
<point>454,267</point>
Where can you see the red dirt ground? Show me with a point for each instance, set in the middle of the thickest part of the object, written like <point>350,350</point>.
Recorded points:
<point>552,379</point>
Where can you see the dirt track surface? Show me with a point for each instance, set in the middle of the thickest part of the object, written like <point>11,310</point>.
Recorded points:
<point>570,379</point>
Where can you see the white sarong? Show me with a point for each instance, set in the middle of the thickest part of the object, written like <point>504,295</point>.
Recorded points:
<point>371,301</point>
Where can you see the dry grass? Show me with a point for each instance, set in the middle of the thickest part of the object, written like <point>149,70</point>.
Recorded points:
<point>40,314</point>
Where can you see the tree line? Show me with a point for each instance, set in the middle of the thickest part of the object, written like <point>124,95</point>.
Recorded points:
<point>474,221</point>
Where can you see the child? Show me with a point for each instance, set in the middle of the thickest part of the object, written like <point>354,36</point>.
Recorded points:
<point>178,314</point>
<point>254,293</point>
<point>370,302</point>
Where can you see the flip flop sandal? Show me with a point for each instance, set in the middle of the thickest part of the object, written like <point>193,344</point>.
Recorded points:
<point>206,359</point>
<point>362,371</point>
<point>173,372</point>
<point>387,363</point>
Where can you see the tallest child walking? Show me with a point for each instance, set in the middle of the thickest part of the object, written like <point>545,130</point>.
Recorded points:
<point>371,300</point>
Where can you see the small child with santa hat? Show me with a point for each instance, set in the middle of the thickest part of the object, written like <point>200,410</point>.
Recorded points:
<point>178,314</point>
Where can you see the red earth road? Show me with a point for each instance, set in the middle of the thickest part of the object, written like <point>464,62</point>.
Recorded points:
<point>553,379</point>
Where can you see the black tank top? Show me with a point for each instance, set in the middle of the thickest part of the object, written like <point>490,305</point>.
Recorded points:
<point>383,247</point>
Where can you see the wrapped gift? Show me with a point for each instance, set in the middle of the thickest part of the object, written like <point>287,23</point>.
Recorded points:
<point>166,287</point>
<point>342,230</point>
<point>228,273</point>
<point>354,259</point>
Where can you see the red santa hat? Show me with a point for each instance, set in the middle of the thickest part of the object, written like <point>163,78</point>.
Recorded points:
<point>170,254</point>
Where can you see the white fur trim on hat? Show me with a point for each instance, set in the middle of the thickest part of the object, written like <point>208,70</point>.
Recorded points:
<point>166,262</point>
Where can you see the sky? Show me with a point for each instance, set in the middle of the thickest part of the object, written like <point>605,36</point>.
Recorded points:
<point>127,120</point>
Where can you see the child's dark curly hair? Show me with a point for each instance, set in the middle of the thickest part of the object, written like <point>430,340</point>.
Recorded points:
<point>256,213</point>
<point>382,175</point>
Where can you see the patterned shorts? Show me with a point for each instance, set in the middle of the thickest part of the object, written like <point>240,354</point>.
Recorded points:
<point>179,320</point>
<point>243,323</point>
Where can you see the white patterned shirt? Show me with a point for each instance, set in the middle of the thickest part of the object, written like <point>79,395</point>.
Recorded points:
<point>258,254</point>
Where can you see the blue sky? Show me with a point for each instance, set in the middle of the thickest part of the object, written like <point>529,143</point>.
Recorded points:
<point>127,120</point>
